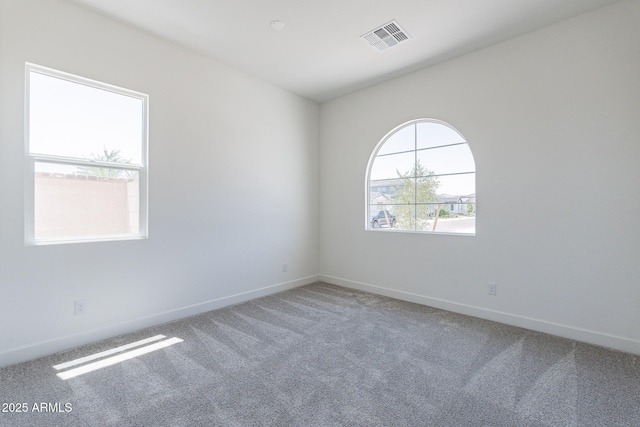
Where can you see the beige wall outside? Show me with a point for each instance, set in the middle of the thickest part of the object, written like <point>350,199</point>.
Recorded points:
<point>68,205</point>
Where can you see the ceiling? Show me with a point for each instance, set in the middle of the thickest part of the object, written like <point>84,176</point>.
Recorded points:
<point>319,54</point>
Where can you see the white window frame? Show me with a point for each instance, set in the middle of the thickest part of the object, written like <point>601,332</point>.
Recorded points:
<point>374,154</point>
<point>30,161</point>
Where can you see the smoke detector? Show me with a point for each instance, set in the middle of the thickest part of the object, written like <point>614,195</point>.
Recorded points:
<point>386,36</point>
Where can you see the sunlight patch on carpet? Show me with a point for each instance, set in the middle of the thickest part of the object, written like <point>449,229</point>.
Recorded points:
<point>109,361</point>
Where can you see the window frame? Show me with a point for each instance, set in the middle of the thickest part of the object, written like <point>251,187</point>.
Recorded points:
<point>374,155</point>
<point>32,158</point>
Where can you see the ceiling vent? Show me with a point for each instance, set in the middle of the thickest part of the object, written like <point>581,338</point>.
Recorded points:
<point>388,35</point>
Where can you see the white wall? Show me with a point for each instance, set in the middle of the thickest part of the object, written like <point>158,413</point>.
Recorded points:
<point>233,187</point>
<point>553,120</point>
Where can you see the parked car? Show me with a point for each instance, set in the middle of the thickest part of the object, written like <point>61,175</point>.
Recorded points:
<point>381,220</point>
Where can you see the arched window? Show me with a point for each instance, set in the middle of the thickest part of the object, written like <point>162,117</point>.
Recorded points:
<point>421,177</point>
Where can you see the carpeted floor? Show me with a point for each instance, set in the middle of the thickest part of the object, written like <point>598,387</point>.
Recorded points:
<point>322,355</point>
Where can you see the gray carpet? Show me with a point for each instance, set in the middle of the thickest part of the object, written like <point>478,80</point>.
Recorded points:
<point>322,355</point>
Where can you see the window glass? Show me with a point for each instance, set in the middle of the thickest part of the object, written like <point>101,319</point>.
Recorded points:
<point>74,202</point>
<point>402,140</point>
<point>447,159</point>
<point>75,120</point>
<point>433,134</point>
<point>423,175</point>
<point>393,166</point>
<point>461,185</point>
<point>86,150</point>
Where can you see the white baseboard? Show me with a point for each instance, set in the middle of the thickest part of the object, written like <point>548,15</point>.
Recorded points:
<point>55,345</point>
<point>592,337</point>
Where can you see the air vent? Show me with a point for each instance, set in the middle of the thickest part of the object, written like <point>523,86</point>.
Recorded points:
<point>388,35</point>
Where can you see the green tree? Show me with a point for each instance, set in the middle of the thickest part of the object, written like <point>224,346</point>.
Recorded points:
<point>418,186</point>
<point>469,208</point>
<point>112,156</point>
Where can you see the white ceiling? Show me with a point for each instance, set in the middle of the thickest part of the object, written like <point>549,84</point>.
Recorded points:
<point>319,54</point>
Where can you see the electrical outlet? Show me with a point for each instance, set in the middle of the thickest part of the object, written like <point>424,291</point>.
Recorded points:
<point>79,307</point>
<point>284,267</point>
<point>492,288</point>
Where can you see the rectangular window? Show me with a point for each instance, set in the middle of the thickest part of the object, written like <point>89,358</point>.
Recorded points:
<point>86,152</point>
